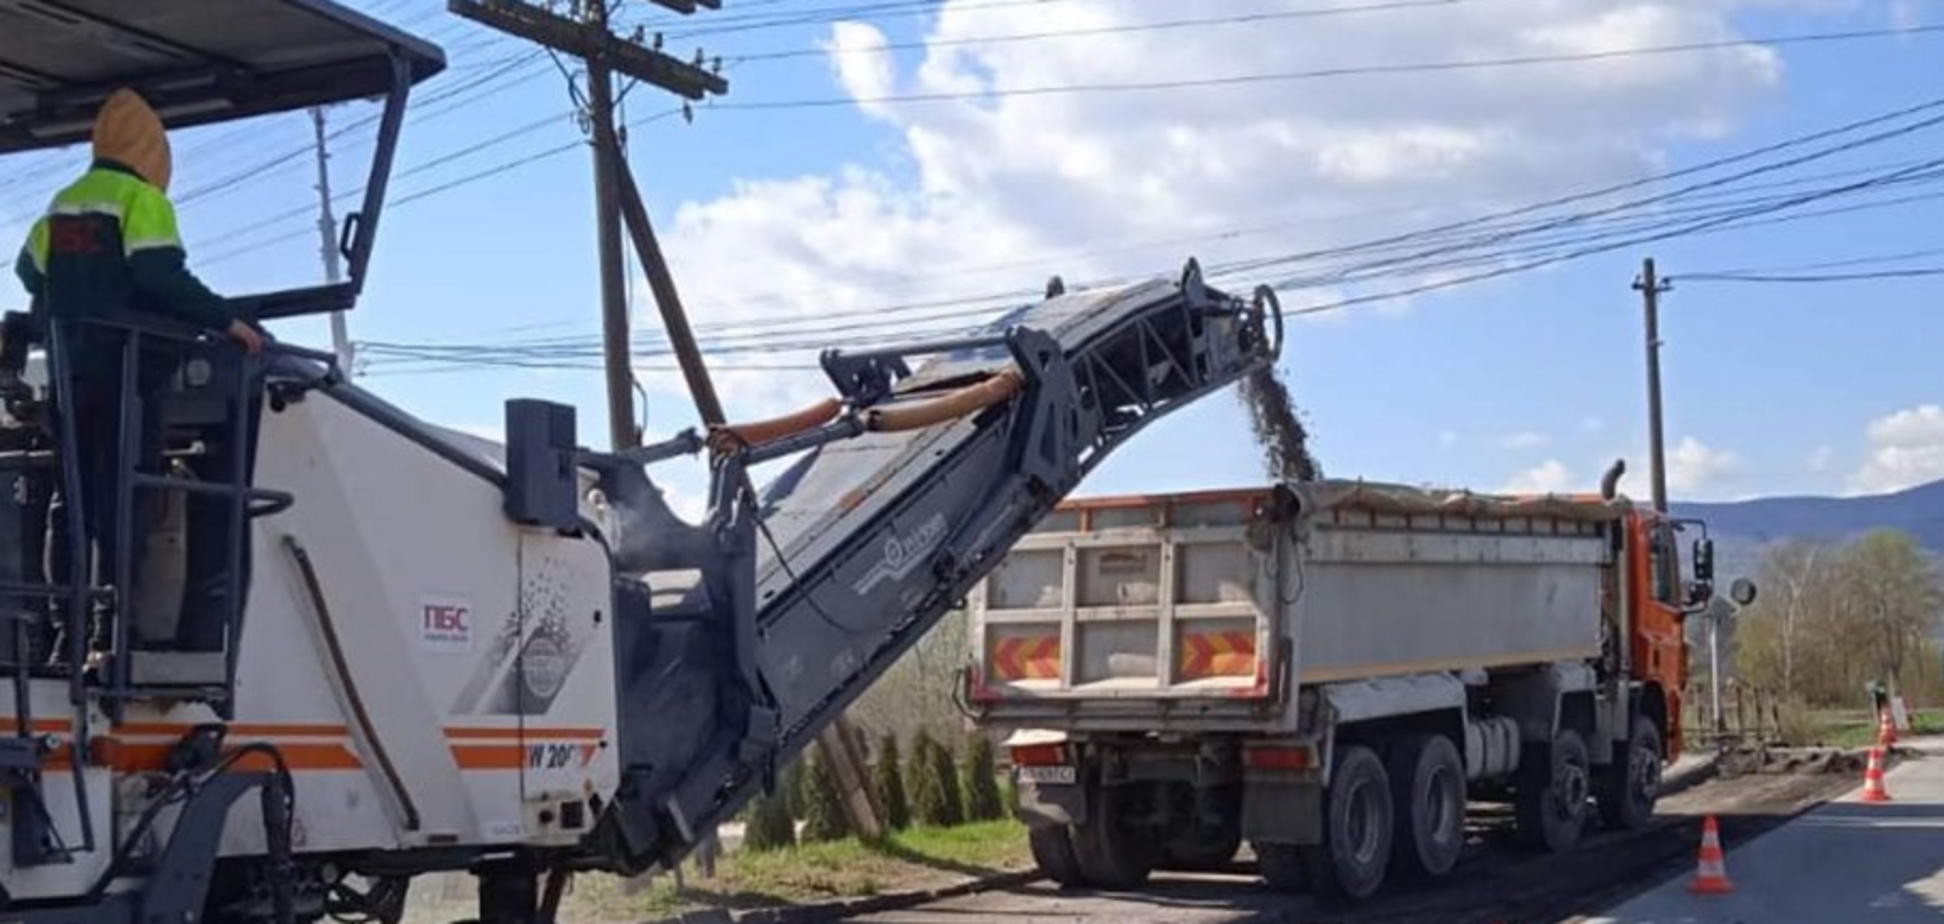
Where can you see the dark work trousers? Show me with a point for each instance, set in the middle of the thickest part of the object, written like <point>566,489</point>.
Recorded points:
<point>96,392</point>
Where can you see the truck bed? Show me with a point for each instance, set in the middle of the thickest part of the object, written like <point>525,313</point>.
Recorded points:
<point>1180,610</point>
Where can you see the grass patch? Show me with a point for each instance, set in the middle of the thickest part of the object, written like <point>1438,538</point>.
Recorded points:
<point>1857,729</point>
<point>921,858</point>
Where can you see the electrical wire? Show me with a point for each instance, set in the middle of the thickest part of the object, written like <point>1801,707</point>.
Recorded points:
<point>1367,70</point>
<point>1165,26</point>
<point>1910,273</point>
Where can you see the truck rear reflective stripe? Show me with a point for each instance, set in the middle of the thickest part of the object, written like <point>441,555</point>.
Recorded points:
<point>1217,654</point>
<point>1277,758</point>
<point>1027,657</point>
<point>1039,755</point>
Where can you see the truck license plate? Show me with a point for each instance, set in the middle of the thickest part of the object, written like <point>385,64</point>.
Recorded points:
<point>1043,775</point>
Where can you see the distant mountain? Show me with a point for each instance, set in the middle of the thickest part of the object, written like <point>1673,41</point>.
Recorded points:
<point>1741,529</point>
<point>1919,510</point>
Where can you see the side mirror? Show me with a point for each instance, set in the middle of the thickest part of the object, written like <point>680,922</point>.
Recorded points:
<point>1742,591</point>
<point>1704,560</point>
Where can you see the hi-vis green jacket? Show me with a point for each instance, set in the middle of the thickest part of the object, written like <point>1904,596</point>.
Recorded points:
<point>109,243</point>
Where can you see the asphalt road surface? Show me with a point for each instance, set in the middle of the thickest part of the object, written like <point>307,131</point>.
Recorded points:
<point>1495,882</point>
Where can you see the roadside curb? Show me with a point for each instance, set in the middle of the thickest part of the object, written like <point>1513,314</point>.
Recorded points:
<point>824,912</point>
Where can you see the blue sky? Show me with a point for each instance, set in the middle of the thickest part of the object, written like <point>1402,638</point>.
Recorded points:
<point>1533,380</point>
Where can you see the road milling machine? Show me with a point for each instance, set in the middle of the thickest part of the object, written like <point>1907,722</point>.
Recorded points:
<point>362,648</point>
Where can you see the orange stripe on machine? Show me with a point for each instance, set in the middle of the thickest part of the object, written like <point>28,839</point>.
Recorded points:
<point>1217,654</point>
<point>1026,657</point>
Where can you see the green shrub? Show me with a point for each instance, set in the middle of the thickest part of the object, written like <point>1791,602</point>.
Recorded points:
<point>824,818</point>
<point>934,784</point>
<point>982,799</point>
<point>945,767</point>
<point>889,778</point>
<point>770,825</point>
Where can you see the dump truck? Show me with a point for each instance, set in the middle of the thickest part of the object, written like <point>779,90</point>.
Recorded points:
<point>364,647</point>
<point>1330,671</point>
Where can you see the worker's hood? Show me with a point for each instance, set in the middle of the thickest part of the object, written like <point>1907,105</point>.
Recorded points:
<point>128,132</point>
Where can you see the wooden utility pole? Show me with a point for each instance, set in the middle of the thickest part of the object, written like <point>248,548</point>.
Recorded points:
<point>618,203</point>
<point>1650,288</point>
<point>615,329</point>
<point>586,36</point>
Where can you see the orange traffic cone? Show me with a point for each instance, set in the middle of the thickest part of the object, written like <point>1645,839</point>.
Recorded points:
<point>1873,790</point>
<point>1711,877</point>
<point>1886,730</point>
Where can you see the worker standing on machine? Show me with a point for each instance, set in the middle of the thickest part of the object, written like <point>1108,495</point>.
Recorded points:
<point>109,246</point>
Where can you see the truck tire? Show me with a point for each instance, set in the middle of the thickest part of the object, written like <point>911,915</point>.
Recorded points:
<point>1357,825</point>
<point>1630,785</point>
<point>1428,798</point>
<point>1553,789</point>
<point>1052,847</point>
<point>1281,866</point>
<point>1111,854</point>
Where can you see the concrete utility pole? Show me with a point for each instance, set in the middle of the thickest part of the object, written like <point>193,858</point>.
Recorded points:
<point>1650,288</point>
<point>327,232</point>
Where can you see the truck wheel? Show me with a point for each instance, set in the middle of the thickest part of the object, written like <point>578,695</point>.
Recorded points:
<point>1111,853</point>
<point>1428,795</point>
<point>1053,854</point>
<point>1553,789</point>
<point>1630,785</point>
<point>1281,866</point>
<point>1357,825</point>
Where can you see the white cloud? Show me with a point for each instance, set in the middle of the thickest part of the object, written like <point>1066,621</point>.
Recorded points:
<point>1906,449</point>
<point>1549,477</point>
<point>1525,439</point>
<point>863,67</point>
<point>1693,467</point>
<point>996,193</point>
<point>1593,424</point>
<point>1447,439</point>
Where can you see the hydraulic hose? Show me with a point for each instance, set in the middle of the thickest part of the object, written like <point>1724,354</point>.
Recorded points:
<point>999,387</point>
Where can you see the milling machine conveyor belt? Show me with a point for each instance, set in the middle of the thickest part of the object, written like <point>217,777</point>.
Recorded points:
<point>871,539</point>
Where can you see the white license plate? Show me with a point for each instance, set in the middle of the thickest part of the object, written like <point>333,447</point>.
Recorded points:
<point>1043,775</point>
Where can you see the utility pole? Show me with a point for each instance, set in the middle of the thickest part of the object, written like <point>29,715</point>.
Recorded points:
<point>615,352</point>
<point>585,35</point>
<point>1650,288</point>
<point>618,203</point>
<point>327,232</point>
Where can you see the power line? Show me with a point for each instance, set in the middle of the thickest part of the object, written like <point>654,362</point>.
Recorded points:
<point>1421,67</point>
<point>1910,273</point>
<point>1169,25</point>
<point>560,350</point>
<point>1836,264</point>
